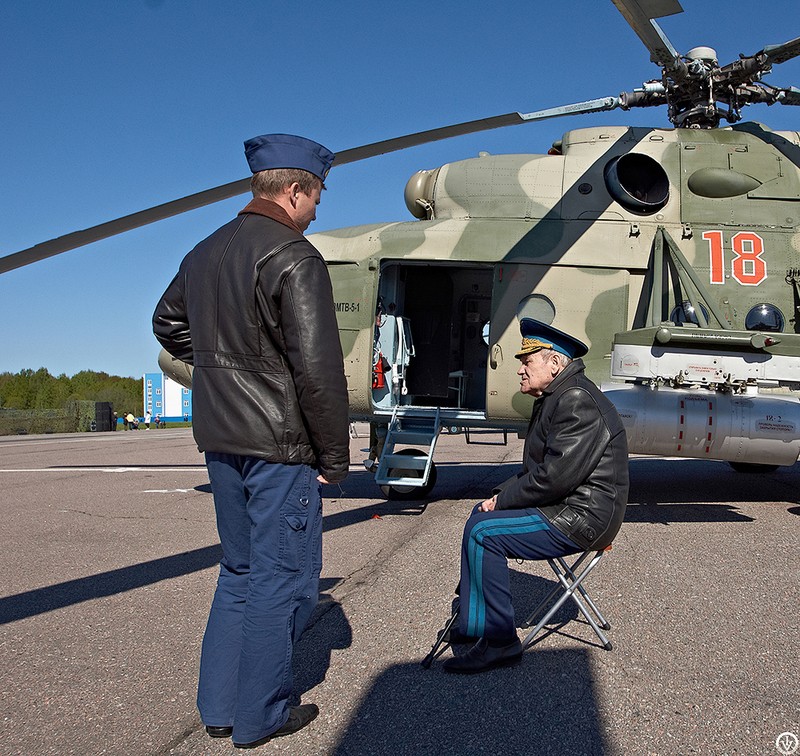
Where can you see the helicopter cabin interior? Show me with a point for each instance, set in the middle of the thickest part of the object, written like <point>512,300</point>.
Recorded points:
<point>426,313</point>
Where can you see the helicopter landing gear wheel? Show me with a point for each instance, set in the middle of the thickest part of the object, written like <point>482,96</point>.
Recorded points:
<point>407,493</point>
<point>751,467</point>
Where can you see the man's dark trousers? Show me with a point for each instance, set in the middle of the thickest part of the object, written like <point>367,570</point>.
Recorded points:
<point>269,518</point>
<point>490,539</point>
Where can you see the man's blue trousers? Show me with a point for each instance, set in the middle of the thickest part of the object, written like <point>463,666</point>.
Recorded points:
<point>269,518</point>
<point>490,539</point>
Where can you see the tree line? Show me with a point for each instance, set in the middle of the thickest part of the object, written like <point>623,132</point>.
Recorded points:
<point>37,390</point>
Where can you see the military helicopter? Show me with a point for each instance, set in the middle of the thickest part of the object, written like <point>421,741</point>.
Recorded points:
<point>673,253</point>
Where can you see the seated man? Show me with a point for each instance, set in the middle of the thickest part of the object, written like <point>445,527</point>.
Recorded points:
<point>569,497</point>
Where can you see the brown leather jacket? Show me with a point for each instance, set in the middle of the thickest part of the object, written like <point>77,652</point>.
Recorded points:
<point>252,309</point>
<point>575,462</point>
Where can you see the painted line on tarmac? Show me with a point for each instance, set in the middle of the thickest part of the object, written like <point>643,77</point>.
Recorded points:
<point>192,468</point>
<point>169,490</point>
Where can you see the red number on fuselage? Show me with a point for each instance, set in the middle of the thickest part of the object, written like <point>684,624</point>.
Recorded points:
<point>747,266</point>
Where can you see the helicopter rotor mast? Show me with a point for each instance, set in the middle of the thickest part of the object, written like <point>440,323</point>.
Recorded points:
<point>698,92</point>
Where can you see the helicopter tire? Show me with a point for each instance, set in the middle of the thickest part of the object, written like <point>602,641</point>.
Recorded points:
<point>409,493</point>
<point>752,467</point>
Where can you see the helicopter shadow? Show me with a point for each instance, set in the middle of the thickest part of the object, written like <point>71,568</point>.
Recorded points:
<point>691,490</point>
<point>408,709</point>
<point>529,708</point>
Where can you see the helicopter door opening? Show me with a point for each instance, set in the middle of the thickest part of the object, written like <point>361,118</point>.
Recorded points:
<point>430,345</point>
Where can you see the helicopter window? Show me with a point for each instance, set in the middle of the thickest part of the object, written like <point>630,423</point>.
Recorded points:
<point>685,313</point>
<point>764,317</point>
<point>485,332</point>
<point>637,182</point>
<point>538,307</point>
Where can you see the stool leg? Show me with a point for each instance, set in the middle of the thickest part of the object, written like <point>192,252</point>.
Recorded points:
<point>585,612</point>
<point>547,599</point>
<point>570,571</point>
<point>570,583</point>
<point>440,645</point>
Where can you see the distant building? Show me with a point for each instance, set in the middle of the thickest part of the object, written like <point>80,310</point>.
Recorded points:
<point>165,397</point>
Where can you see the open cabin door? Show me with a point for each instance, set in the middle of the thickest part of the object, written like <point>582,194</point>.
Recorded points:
<point>354,285</point>
<point>588,303</point>
<point>431,331</point>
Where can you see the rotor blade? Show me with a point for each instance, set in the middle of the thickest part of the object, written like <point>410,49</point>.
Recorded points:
<point>789,96</point>
<point>640,14</point>
<point>470,127</point>
<point>121,225</point>
<point>226,191</point>
<point>782,53</point>
<point>747,67</point>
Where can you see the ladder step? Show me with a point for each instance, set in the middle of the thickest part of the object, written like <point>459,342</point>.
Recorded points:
<point>417,424</point>
<point>413,437</point>
<point>405,462</point>
<point>410,482</point>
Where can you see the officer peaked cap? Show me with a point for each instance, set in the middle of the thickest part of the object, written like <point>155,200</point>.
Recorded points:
<point>288,151</point>
<point>537,336</point>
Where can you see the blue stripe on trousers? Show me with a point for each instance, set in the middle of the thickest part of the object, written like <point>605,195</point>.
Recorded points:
<point>486,529</point>
<point>490,539</point>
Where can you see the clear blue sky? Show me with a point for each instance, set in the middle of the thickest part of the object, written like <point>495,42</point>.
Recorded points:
<point>109,108</point>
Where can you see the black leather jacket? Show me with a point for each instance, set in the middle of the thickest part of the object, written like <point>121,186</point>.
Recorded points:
<point>575,462</point>
<point>252,309</point>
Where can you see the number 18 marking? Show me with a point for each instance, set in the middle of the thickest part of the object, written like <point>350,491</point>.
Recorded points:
<point>747,266</point>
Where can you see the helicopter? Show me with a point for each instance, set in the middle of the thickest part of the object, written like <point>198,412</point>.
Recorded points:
<point>673,253</point>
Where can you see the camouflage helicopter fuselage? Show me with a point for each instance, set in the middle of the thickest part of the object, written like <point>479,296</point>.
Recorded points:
<point>573,237</point>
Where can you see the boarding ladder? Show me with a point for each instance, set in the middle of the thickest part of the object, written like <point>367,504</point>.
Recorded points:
<point>409,467</point>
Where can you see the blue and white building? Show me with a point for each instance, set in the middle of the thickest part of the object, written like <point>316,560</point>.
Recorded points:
<point>165,397</point>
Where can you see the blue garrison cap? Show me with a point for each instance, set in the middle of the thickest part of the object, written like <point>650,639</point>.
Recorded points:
<point>537,335</point>
<point>287,151</point>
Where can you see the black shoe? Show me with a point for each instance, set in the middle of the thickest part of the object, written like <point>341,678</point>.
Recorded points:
<point>219,732</point>
<point>299,717</point>
<point>482,657</point>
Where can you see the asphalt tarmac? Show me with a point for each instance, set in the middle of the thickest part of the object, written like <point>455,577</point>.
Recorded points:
<point>109,563</point>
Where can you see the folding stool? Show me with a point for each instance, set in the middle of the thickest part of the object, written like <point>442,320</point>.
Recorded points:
<point>570,579</point>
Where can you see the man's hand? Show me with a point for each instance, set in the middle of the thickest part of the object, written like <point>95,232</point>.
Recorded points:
<point>489,504</point>
<point>321,479</point>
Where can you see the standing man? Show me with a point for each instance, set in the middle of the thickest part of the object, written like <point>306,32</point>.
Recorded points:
<point>570,495</point>
<point>252,310</point>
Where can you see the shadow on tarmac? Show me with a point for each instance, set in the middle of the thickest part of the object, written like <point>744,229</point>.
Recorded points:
<point>699,490</point>
<point>327,629</point>
<point>456,480</point>
<point>60,595</point>
<point>545,705</point>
